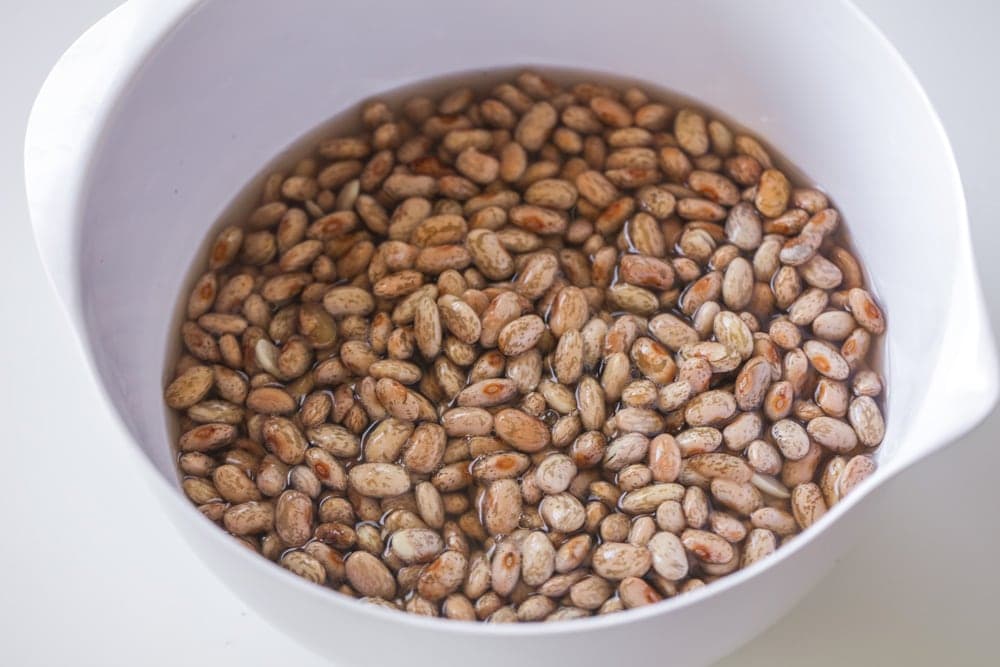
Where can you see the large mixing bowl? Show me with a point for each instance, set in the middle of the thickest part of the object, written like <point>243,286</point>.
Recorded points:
<point>159,115</point>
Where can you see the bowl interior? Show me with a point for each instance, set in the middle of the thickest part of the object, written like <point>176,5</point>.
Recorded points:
<point>232,86</point>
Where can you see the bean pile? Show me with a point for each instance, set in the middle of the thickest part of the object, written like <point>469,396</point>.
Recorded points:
<point>540,353</point>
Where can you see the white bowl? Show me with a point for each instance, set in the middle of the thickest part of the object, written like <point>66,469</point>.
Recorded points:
<point>160,114</point>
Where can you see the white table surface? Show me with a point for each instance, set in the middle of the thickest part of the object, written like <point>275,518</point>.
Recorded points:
<point>92,574</point>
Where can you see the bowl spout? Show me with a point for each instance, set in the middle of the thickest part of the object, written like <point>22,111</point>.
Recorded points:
<point>962,380</point>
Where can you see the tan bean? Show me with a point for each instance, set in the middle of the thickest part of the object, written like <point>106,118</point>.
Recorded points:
<point>647,499</point>
<point>807,504</point>
<point>234,485</point>
<point>727,526</point>
<point>596,189</point>
<point>614,376</point>
<point>562,512</point>
<point>554,474</point>
<point>341,301</point>
<point>369,576</point>
<point>521,431</point>
<point>284,439</point>
<point>669,559</point>
<point>425,449</point>
<point>760,543</point>
<point>203,295</point>
<point>670,517</point>
<point>639,420</point>
<point>707,547</point>
<point>400,402</point>
<point>477,166</point>
<point>695,506</point>
<point>711,408</point>
<point>714,186</point>
<point>834,434</point>
<point>459,318</point>
<point>551,193</point>
<point>379,480</point>
<point>415,545</point>
<point>535,125</point>
<point>764,457</point>
<point>866,419</point>
<point>635,592</point>
<point>645,271</point>
<point>775,520</point>
<point>719,465</point>
<point>501,506</point>
<point>866,311</point>
<point>304,565</point>
<point>831,397</point>
<point>590,592</point>
<point>796,472</point>
<point>537,559</point>
<point>856,347</point>
<point>505,570</point>
<point>742,430</point>
<point>477,580</point>
<point>538,219</point>
<point>487,393</point>
<point>200,491</point>
<point>293,518</point>
<point>196,464</point>
<point>618,560</point>
<point>641,530</point>
<point>773,193</point>
<point>742,498</point>
<point>857,469</point>
<point>250,518</point>
<point>790,438</point>
<point>778,401</point>
<point>500,465</point>
<point>535,608</point>
<point>625,450</point>
<point>653,360</point>
<point>640,394</point>
<point>866,383</point>
<point>833,325</point>
<point>849,267</point>
<point>633,299</point>
<point>572,553</point>
<point>189,387</point>
<point>698,440</point>
<point>806,306</point>
<point>664,458</point>
<point>459,422</point>
<point>458,607</point>
<point>337,440</point>
<point>691,132</point>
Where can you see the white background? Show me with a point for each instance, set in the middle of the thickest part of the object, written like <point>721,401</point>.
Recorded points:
<point>92,574</point>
